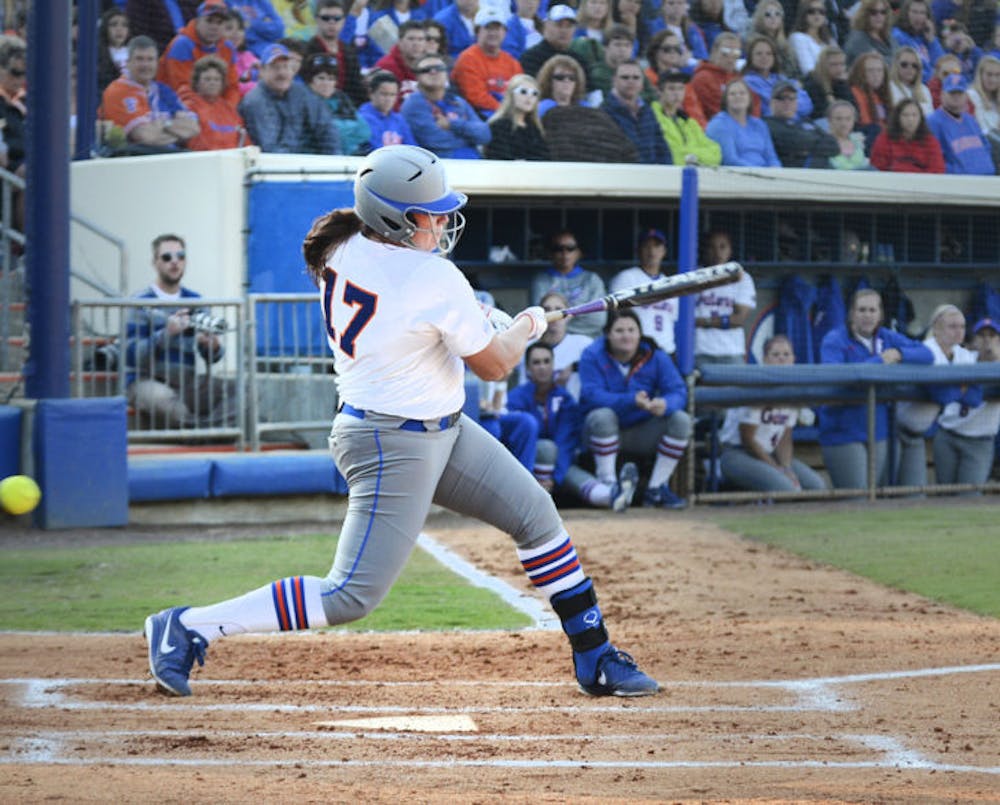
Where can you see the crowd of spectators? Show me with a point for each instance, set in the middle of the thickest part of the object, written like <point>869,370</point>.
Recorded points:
<point>869,85</point>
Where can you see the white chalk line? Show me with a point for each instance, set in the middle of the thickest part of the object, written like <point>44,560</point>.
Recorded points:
<point>542,616</point>
<point>813,695</point>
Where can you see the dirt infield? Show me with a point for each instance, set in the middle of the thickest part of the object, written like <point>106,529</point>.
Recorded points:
<point>783,681</point>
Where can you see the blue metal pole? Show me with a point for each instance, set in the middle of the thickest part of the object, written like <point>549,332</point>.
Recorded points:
<point>687,259</point>
<point>46,373</point>
<point>86,77</point>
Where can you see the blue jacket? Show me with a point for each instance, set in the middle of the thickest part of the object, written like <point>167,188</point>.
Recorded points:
<point>559,420</point>
<point>467,129</point>
<point>748,145</point>
<point>929,52</point>
<point>763,87</point>
<point>459,37</point>
<point>843,424</point>
<point>390,129</point>
<point>602,384</point>
<point>643,130</point>
<point>963,145</point>
<point>264,25</point>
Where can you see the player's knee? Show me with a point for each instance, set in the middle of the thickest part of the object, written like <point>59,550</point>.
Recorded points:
<point>601,422</point>
<point>679,425</point>
<point>546,452</point>
<point>346,602</point>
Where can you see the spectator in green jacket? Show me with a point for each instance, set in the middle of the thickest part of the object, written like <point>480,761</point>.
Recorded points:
<point>687,140</point>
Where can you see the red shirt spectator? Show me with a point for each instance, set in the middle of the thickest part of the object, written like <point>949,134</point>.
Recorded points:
<point>907,145</point>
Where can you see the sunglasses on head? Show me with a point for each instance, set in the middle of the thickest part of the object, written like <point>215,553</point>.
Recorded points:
<point>434,68</point>
<point>331,17</point>
<point>323,60</point>
<point>730,51</point>
<point>564,247</point>
<point>168,257</point>
<point>563,77</point>
<point>526,91</point>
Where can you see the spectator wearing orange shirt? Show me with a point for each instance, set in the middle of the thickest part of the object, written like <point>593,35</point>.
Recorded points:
<point>703,96</point>
<point>221,126</point>
<point>147,113</point>
<point>482,70</point>
<point>202,36</point>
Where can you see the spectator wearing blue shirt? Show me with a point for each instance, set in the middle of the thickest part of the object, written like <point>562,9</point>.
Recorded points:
<point>387,127</point>
<point>264,25</point>
<point>634,116</point>
<point>634,402</point>
<point>458,20</point>
<point>744,139</point>
<point>843,429</point>
<point>963,145</point>
<point>558,416</point>
<point>440,120</point>
<point>915,29</point>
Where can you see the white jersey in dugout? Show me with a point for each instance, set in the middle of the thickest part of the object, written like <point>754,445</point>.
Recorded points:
<point>399,321</point>
<point>657,319</point>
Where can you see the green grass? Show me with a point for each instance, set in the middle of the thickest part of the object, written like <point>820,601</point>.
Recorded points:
<point>949,554</point>
<point>115,588</point>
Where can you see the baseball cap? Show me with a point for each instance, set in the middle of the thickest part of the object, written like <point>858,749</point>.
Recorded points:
<point>983,324</point>
<point>490,14</point>
<point>212,8</point>
<point>652,234</point>
<point>561,12</point>
<point>674,77</point>
<point>782,86</point>
<point>954,83</point>
<point>274,52</point>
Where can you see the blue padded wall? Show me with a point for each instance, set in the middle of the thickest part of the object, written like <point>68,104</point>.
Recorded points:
<point>10,440</point>
<point>81,462</point>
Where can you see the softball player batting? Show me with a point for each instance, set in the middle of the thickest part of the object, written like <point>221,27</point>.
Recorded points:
<point>401,319</point>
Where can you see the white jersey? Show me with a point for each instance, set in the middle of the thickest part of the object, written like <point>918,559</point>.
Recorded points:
<point>657,319</point>
<point>722,301</point>
<point>771,425</point>
<point>983,420</point>
<point>399,322</point>
<point>918,415</point>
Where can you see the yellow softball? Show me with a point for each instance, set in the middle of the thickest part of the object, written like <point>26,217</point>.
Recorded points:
<point>19,494</point>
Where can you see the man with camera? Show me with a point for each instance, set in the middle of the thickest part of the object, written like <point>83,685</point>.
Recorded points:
<point>163,343</point>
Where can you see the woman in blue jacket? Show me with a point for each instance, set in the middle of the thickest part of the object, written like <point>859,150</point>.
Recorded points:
<point>843,429</point>
<point>634,402</point>
<point>744,139</point>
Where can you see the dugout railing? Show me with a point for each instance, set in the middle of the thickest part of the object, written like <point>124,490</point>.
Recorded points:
<point>716,388</point>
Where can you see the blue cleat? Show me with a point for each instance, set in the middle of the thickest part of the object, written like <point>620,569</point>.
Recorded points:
<point>173,648</point>
<point>618,675</point>
<point>662,497</point>
<point>624,490</point>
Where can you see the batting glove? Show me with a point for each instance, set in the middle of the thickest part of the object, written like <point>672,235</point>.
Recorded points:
<point>536,315</point>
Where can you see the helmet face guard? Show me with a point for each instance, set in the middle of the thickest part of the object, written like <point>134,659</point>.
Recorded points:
<point>397,181</point>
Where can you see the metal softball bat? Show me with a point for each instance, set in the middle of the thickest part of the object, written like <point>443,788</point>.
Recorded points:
<point>664,288</point>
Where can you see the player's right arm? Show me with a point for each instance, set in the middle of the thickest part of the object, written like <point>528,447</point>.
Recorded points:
<point>506,348</point>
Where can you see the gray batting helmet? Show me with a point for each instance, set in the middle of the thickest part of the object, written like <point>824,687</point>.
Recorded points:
<point>397,180</point>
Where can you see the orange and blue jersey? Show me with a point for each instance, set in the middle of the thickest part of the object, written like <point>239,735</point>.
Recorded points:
<point>177,63</point>
<point>128,104</point>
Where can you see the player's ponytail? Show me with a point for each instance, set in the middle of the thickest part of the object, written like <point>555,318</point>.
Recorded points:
<point>327,232</point>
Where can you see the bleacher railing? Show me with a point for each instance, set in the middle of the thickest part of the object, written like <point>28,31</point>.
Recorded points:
<point>717,387</point>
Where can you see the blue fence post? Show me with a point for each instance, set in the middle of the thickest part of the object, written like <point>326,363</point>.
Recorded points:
<point>687,259</point>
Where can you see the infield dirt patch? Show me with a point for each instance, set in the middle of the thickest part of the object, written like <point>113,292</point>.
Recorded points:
<point>782,680</point>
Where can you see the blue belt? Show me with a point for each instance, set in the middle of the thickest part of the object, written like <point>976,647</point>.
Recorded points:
<point>418,425</point>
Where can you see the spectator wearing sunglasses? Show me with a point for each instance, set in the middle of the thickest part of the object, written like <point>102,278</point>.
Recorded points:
<point>768,20</point>
<point>703,97</point>
<point>666,54</point>
<point>811,33</point>
<point>319,72</point>
<point>871,30</point>
<point>330,20</point>
<point>13,111</point>
<point>482,70</point>
<point>906,82</point>
<point>557,38</point>
<point>567,277</point>
<point>515,130</point>
<point>441,120</point>
<point>619,45</point>
<point>914,27</point>
<point>163,345</point>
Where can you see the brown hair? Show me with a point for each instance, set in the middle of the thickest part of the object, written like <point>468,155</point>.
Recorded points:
<point>327,232</point>
<point>161,239</point>
<point>203,65</point>
<point>862,18</point>
<point>857,78</point>
<point>894,130</point>
<point>565,63</point>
